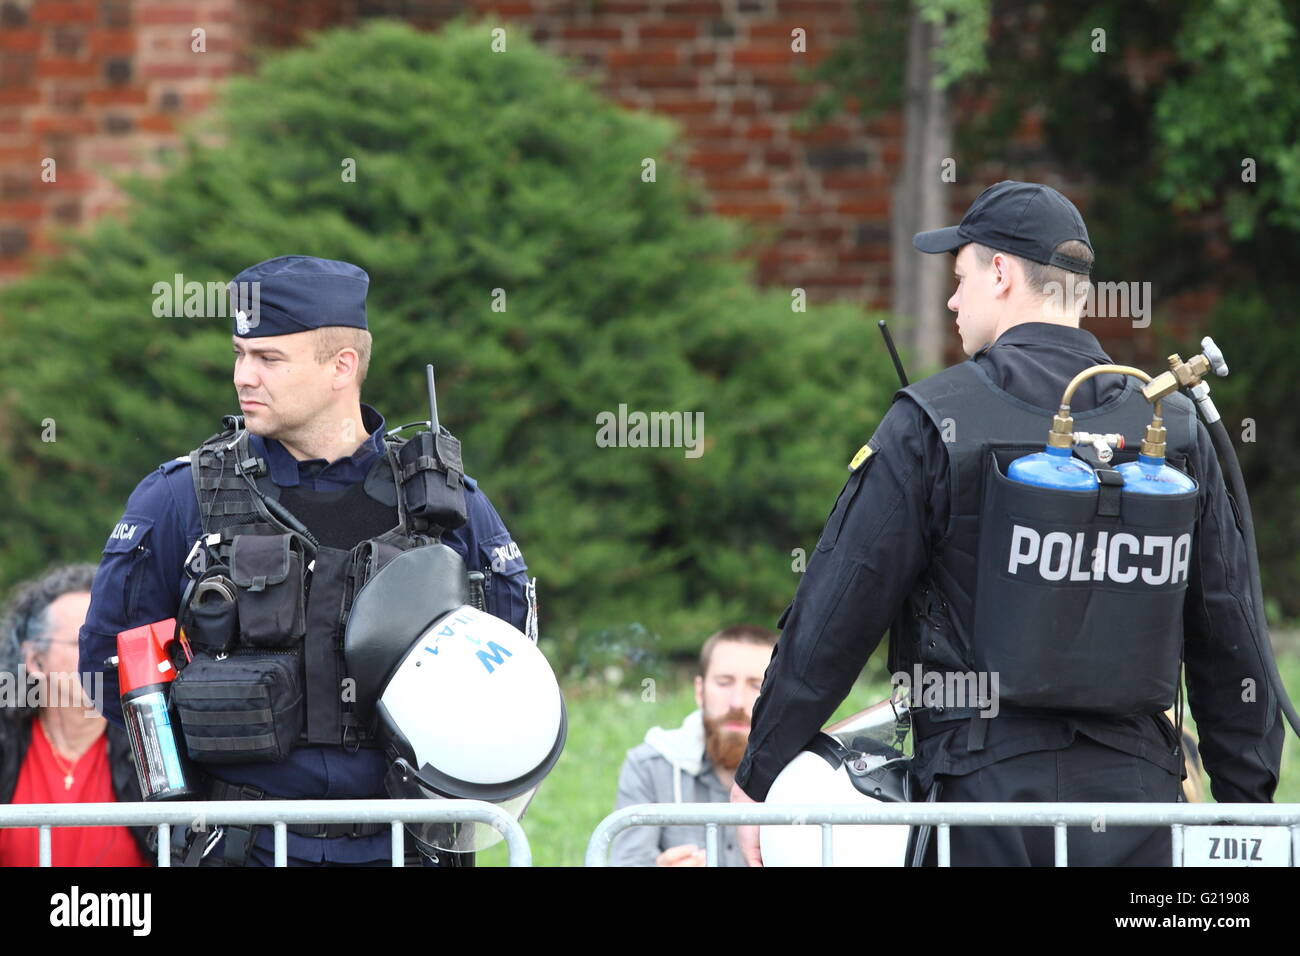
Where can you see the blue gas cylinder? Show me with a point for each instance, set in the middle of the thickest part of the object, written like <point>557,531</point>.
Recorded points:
<point>1151,476</point>
<point>1053,468</point>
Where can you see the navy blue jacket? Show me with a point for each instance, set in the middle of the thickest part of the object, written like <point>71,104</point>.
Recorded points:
<point>854,588</point>
<point>141,579</point>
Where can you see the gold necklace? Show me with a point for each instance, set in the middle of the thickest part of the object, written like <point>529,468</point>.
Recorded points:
<point>66,768</point>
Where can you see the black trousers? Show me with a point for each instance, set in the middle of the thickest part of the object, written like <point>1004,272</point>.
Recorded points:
<point>1084,772</point>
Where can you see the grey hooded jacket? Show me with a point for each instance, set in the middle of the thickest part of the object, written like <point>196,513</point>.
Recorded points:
<point>670,767</point>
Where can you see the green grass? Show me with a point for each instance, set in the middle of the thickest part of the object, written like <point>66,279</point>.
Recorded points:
<point>1288,787</point>
<point>604,724</point>
<point>605,721</point>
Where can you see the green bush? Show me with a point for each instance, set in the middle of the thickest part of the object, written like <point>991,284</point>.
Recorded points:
<point>475,171</point>
<point>1252,325</point>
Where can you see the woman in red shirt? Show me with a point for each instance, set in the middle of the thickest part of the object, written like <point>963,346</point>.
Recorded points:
<point>54,748</point>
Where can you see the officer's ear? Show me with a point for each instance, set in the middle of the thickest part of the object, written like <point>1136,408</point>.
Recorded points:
<point>999,267</point>
<point>699,691</point>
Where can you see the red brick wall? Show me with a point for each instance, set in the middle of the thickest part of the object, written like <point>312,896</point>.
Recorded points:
<point>97,86</point>
<point>100,86</point>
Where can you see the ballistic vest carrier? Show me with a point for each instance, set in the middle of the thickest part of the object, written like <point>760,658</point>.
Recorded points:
<point>1073,598</point>
<point>267,611</point>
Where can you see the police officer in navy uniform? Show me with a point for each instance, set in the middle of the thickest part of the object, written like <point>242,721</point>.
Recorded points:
<point>301,349</point>
<point>893,547</point>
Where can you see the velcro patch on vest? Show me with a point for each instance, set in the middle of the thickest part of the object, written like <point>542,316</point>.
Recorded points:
<point>128,534</point>
<point>503,555</point>
<point>865,452</point>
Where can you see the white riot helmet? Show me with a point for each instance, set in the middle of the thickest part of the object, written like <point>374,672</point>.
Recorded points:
<point>857,762</point>
<point>469,709</point>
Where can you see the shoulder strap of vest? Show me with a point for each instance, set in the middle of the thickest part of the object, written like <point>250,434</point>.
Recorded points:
<point>226,503</point>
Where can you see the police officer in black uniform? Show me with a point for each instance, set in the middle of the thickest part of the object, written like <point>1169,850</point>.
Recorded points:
<point>307,442</point>
<point>901,548</point>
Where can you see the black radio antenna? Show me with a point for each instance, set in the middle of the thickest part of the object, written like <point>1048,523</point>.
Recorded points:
<point>893,352</point>
<point>433,400</point>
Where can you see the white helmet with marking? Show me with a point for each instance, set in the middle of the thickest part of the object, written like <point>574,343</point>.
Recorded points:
<point>857,762</point>
<point>469,708</point>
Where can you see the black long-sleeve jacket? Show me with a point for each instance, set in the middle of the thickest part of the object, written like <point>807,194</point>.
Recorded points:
<point>896,511</point>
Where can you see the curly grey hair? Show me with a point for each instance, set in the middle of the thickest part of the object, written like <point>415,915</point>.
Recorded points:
<point>25,619</point>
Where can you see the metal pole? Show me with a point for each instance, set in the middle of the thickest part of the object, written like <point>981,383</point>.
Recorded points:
<point>399,844</point>
<point>164,844</point>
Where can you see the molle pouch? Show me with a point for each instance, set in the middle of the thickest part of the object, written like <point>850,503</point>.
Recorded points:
<point>1079,600</point>
<point>267,571</point>
<point>368,558</point>
<point>211,618</point>
<point>430,477</point>
<point>245,708</point>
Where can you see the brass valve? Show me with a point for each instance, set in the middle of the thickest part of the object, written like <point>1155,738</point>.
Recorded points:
<point>1187,374</point>
<point>1062,433</point>
<point>1180,375</point>
<point>1153,442</point>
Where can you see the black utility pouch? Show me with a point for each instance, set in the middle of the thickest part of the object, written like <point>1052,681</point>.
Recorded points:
<point>268,573</point>
<point>1079,601</point>
<point>212,618</point>
<point>431,478</point>
<point>368,559</point>
<point>246,708</point>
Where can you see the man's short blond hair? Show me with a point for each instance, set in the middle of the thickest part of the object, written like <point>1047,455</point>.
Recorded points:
<point>1073,285</point>
<point>330,339</point>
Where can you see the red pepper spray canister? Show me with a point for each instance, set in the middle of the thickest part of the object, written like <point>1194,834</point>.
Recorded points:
<point>144,674</point>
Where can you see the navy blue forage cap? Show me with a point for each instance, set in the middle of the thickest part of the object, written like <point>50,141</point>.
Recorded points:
<point>1025,219</point>
<point>290,294</point>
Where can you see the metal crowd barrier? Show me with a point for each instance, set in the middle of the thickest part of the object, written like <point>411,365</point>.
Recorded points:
<point>278,813</point>
<point>1059,816</point>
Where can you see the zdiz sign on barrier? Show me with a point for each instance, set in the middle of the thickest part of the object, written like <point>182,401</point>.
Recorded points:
<point>1237,846</point>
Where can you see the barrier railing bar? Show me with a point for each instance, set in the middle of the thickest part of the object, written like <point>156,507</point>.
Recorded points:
<point>279,813</point>
<point>943,816</point>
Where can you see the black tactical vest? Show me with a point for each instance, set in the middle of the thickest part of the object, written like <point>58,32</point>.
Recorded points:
<point>268,671</point>
<point>1099,631</point>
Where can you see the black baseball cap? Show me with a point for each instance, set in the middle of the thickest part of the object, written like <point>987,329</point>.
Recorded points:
<point>1025,219</point>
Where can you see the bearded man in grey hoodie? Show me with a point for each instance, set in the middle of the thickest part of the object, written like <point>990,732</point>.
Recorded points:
<point>696,762</point>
